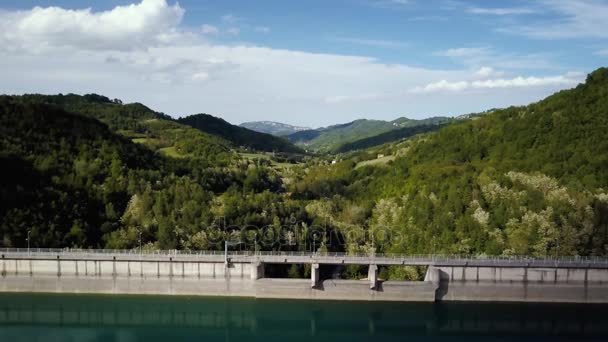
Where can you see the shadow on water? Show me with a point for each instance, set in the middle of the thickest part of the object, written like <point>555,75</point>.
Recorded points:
<point>37,317</point>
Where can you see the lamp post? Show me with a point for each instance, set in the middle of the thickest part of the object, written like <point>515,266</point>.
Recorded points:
<point>226,244</point>
<point>255,244</point>
<point>314,240</point>
<point>140,243</point>
<point>28,242</point>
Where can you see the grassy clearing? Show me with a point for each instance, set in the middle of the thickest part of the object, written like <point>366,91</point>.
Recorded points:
<point>276,165</point>
<point>172,152</point>
<point>378,161</point>
<point>255,156</point>
<point>146,140</point>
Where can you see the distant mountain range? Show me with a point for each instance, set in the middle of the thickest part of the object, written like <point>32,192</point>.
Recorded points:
<point>273,127</point>
<point>344,137</point>
<point>200,135</point>
<point>240,136</point>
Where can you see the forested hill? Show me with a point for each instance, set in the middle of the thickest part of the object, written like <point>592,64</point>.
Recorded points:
<point>239,136</point>
<point>530,180</point>
<point>157,131</point>
<point>361,133</point>
<point>61,175</point>
<point>73,182</point>
<point>272,127</point>
<point>390,136</point>
<point>526,180</point>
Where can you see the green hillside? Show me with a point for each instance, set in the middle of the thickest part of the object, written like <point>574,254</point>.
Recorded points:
<point>528,180</point>
<point>331,138</point>
<point>338,138</point>
<point>523,180</point>
<point>272,127</point>
<point>155,130</point>
<point>239,136</point>
<point>386,137</point>
<point>74,182</point>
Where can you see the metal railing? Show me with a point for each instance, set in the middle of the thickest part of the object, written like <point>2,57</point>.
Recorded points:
<point>328,257</point>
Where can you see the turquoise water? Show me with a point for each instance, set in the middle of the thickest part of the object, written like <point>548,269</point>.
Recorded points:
<point>36,317</point>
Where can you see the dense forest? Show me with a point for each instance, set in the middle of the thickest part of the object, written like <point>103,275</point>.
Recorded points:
<point>239,136</point>
<point>363,133</point>
<point>87,171</point>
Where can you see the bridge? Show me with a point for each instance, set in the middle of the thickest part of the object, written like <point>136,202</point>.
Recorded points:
<point>451,277</point>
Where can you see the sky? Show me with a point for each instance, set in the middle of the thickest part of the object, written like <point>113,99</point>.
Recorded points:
<point>308,63</point>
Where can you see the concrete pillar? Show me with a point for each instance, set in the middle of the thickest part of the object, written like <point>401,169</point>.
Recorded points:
<point>314,275</point>
<point>432,275</point>
<point>372,276</point>
<point>257,270</point>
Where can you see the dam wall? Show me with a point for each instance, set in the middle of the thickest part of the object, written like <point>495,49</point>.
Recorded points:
<point>219,275</point>
<point>520,284</point>
<point>179,277</point>
<point>123,268</point>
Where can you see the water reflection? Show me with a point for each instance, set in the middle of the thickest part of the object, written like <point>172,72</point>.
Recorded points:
<point>111,318</point>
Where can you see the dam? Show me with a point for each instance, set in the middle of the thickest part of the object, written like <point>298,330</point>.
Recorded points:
<point>241,274</point>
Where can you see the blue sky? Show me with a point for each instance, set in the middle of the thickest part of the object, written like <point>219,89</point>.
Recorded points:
<point>310,63</point>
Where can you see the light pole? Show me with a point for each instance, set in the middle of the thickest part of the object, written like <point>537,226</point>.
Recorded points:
<point>226,244</point>
<point>255,244</point>
<point>140,243</point>
<point>28,242</point>
<point>314,240</point>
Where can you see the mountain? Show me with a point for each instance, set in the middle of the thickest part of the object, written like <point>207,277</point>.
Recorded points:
<point>528,180</point>
<point>70,180</point>
<point>61,174</point>
<point>332,138</point>
<point>239,136</point>
<point>272,127</point>
<point>390,136</point>
<point>213,137</point>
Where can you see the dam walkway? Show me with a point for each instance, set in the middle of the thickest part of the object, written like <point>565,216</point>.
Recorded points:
<point>321,258</point>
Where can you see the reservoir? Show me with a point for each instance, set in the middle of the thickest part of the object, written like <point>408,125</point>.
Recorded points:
<point>59,317</point>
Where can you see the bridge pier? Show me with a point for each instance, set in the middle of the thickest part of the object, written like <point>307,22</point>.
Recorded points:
<point>257,270</point>
<point>314,275</point>
<point>372,276</point>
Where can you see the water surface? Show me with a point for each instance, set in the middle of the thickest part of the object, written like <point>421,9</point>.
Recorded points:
<point>38,317</point>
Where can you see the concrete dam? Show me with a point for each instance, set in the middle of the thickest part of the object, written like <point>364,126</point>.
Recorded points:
<point>212,273</point>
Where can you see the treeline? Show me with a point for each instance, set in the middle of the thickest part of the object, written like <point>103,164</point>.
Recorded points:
<point>523,180</point>
<point>239,136</point>
<point>73,182</point>
<point>390,136</point>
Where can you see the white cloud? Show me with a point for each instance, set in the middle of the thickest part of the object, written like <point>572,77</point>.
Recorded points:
<point>574,19</point>
<point>336,99</point>
<point>442,85</point>
<point>209,29</point>
<point>200,76</point>
<point>501,11</point>
<point>234,31</point>
<point>465,52</point>
<point>478,57</point>
<point>568,79</point>
<point>388,4</point>
<point>149,23</point>
<point>487,72</point>
<point>263,29</point>
<point>603,52</point>
<point>188,74</point>
<point>230,19</point>
<point>371,42</point>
